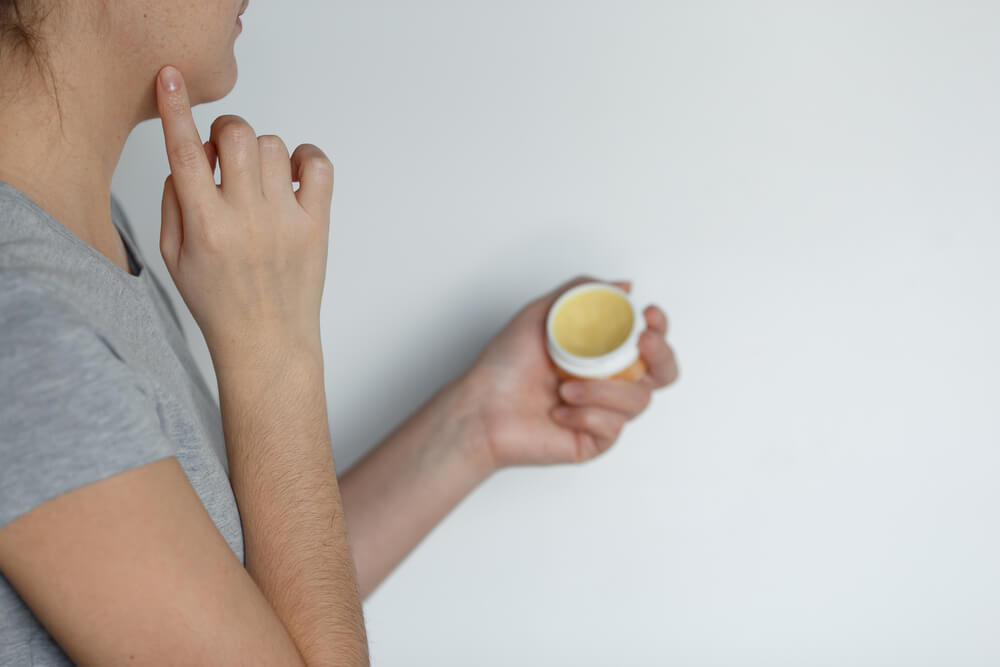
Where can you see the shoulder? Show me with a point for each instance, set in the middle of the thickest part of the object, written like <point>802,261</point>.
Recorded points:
<point>52,357</point>
<point>71,410</point>
<point>34,317</point>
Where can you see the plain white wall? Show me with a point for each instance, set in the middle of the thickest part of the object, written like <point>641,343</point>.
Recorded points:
<point>808,189</point>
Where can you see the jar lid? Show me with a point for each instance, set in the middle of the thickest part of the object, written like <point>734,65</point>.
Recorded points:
<point>602,366</point>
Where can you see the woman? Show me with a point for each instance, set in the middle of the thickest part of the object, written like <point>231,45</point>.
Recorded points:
<point>140,523</point>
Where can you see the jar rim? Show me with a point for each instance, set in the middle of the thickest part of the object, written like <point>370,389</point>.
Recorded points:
<point>618,359</point>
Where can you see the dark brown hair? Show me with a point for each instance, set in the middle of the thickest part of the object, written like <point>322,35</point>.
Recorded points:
<point>18,27</point>
<point>21,41</point>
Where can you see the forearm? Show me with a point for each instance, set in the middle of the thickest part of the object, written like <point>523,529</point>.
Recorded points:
<point>282,472</point>
<point>399,491</point>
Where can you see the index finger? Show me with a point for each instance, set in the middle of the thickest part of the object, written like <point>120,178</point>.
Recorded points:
<point>185,151</point>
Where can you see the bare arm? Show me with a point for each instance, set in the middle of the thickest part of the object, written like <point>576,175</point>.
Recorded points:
<point>400,490</point>
<point>249,258</point>
<point>502,411</point>
<point>282,472</point>
<point>131,568</point>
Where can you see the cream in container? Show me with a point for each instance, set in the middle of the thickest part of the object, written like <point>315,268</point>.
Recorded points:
<point>592,332</point>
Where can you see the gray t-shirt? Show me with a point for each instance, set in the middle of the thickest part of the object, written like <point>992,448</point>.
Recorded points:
<point>95,378</point>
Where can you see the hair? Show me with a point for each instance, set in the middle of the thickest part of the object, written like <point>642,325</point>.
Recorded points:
<point>19,28</point>
<point>21,42</point>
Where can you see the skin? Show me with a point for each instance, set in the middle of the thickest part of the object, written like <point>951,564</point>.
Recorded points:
<point>100,50</point>
<point>503,411</point>
<point>253,250</point>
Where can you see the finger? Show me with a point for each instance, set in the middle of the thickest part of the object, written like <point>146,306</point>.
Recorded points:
<point>587,447</point>
<point>192,178</point>
<point>659,357</point>
<point>171,229</point>
<point>275,167</point>
<point>656,319</point>
<point>603,426</point>
<point>312,169</point>
<point>625,396</point>
<point>212,155</point>
<point>239,157</point>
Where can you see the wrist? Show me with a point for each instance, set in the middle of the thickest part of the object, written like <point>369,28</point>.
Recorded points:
<point>461,403</point>
<point>263,358</point>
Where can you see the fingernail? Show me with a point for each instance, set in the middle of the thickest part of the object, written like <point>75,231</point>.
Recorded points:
<point>171,78</point>
<point>572,390</point>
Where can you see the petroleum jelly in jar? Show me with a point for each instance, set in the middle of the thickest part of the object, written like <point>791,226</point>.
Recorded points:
<point>593,332</point>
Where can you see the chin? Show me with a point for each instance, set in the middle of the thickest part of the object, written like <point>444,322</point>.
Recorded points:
<point>214,85</point>
<point>208,86</point>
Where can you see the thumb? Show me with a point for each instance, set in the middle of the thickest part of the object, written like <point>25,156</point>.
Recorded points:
<point>171,230</point>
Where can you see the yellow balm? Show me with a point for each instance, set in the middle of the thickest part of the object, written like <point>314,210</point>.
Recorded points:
<point>593,332</point>
<point>592,323</point>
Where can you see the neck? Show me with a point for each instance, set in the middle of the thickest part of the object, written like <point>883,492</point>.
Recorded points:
<point>61,149</point>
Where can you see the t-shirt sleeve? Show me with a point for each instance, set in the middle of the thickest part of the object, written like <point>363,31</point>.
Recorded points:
<point>71,411</point>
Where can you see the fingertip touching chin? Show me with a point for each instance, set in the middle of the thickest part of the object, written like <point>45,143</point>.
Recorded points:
<point>201,88</point>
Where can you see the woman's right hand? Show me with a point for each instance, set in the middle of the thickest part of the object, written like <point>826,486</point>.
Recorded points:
<point>248,256</point>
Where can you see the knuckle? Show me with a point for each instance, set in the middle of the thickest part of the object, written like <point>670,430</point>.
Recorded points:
<point>309,149</point>
<point>319,166</point>
<point>210,237</point>
<point>272,145</point>
<point>236,134</point>
<point>591,420</point>
<point>311,154</point>
<point>226,120</point>
<point>187,154</point>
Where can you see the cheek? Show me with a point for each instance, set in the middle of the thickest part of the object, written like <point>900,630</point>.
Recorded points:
<point>197,38</point>
<point>205,55</point>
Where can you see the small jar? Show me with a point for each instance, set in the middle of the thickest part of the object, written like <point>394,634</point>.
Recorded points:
<point>593,333</point>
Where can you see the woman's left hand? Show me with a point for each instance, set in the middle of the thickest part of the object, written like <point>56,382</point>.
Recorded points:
<point>529,416</point>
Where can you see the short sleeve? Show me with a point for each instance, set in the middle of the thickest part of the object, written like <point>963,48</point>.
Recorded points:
<point>71,411</point>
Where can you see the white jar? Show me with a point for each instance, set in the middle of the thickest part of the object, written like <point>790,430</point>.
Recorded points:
<point>592,332</point>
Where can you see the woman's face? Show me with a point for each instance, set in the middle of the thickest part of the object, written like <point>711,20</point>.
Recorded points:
<point>136,38</point>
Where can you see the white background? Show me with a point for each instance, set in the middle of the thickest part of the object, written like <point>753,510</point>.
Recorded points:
<point>808,190</point>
